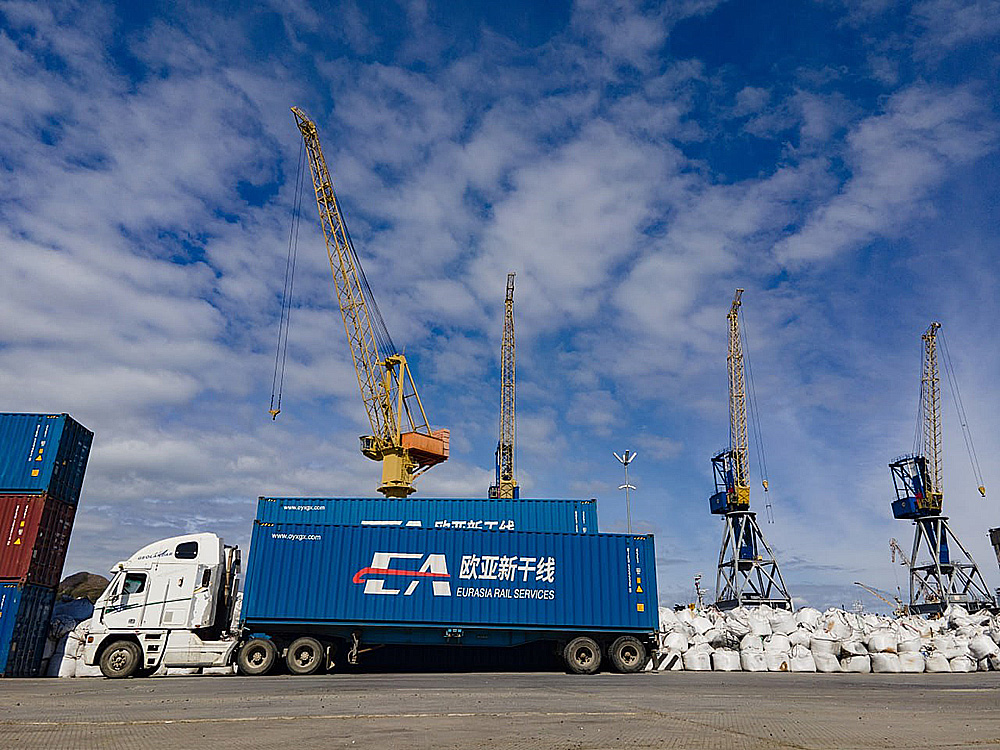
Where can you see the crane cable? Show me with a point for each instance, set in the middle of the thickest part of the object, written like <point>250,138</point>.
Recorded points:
<point>755,421</point>
<point>960,407</point>
<point>281,351</point>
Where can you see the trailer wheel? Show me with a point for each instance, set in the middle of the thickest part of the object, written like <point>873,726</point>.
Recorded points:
<point>120,660</point>
<point>257,656</point>
<point>582,655</point>
<point>305,656</point>
<point>627,654</point>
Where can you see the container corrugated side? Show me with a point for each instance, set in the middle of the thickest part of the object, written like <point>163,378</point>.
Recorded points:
<point>412,577</point>
<point>34,537</point>
<point>520,514</point>
<point>43,453</point>
<point>25,611</point>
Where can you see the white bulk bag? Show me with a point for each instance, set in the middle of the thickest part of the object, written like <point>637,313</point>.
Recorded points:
<point>885,661</point>
<point>859,664</point>
<point>776,661</point>
<point>784,625</point>
<point>824,644</point>
<point>724,660</point>
<point>667,618</point>
<point>982,646</point>
<point>937,662</point>
<point>853,648</point>
<point>826,662</point>
<point>909,646</point>
<point>697,660</point>
<point>753,661</point>
<point>962,664</point>
<point>800,637</point>
<point>801,660</point>
<point>836,626</point>
<point>701,624</point>
<point>808,617</point>
<point>882,641</point>
<point>777,642</point>
<point>675,641</point>
<point>911,661</point>
<point>759,626</point>
<point>751,642</point>
<point>83,670</point>
<point>670,661</point>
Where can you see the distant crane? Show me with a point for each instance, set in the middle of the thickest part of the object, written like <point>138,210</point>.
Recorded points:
<point>938,576</point>
<point>506,483</point>
<point>898,608</point>
<point>748,573</point>
<point>401,437</point>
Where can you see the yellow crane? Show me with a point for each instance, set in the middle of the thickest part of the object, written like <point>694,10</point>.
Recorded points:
<point>401,437</point>
<point>506,483</point>
<point>942,572</point>
<point>748,573</point>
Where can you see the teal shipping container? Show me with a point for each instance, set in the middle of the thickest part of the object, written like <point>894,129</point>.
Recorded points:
<point>481,514</point>
<point>25,611</point>
<point>43,453</point>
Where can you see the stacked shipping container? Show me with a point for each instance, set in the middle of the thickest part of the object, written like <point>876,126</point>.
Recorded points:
<point>43,458</point>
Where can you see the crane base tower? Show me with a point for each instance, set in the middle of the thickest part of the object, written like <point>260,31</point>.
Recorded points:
<point>942,572</point>
<point>748,573</point>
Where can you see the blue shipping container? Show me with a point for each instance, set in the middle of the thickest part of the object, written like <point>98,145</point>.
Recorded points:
<point>25,611</point>
<point>43,453</point>
<point>363,576</point>
<point>573,516</point>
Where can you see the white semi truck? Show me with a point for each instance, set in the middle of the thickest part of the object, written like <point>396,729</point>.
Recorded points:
<point>314,591</point>
<point>174,603</point>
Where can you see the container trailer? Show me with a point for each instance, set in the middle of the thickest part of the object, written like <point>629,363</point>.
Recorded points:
<point>518,514</point>
<point>319,595</point>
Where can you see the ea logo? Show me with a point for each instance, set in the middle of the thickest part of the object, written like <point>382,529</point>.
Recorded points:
<point>432,566</point>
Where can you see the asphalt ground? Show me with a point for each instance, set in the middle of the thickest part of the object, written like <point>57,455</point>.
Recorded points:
<point>506,710</point>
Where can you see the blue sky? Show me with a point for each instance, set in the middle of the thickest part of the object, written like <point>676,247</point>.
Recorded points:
<point>632,163</point>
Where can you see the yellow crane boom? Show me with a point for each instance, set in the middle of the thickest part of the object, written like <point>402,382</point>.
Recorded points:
<point>738,439</point>
<point>387,388</point>
<point>506,483</point>
<point>930,404</point>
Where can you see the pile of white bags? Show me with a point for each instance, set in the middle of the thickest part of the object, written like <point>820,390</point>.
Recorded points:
<point>761,639</point>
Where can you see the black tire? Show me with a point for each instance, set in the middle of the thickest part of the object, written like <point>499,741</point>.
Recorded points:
<point>257,656</point>
<point>582,655</point>
<point>627,655</point>
<point>305,656</point>
<point>120,660</point>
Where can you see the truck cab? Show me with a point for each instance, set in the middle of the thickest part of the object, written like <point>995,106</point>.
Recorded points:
<point>173,603</point>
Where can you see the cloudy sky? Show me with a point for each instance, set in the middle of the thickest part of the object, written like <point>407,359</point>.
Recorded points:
<point>633,164</point>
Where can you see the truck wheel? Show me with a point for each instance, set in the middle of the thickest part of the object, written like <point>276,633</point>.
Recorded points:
<point>257,656</point>
<point>120,660</point>
<point>627,654</point>
<point>582,655</point>
<point>305,656</point>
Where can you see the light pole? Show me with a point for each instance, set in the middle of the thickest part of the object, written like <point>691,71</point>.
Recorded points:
<point>626,458</point>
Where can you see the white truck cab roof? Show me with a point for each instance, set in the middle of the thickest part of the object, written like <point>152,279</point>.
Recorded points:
<point>201,549</point>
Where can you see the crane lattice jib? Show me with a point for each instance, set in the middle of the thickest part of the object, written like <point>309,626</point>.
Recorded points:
<point>930,403</point>
<point>507,388</point>
<point>376,383</point>
<point>738,439</point>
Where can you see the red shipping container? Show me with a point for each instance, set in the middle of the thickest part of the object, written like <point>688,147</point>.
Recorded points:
<point>34,536</point>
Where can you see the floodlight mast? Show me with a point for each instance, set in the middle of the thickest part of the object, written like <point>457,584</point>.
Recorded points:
<point>626,458</point>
